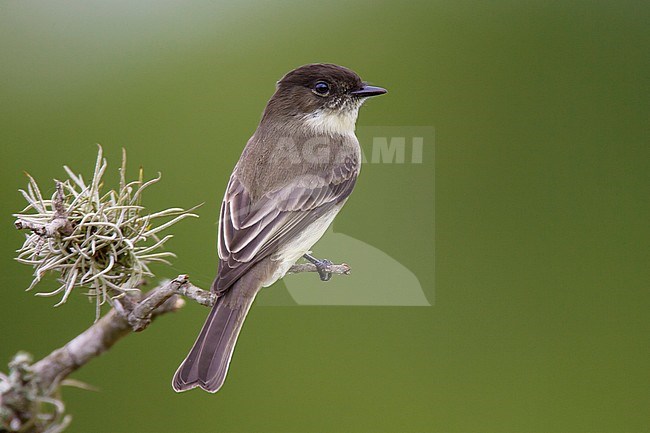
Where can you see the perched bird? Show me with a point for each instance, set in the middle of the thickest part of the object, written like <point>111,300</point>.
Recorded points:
<point>293,177</point>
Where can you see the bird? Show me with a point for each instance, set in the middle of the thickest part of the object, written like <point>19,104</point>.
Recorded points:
<point>293,177</point>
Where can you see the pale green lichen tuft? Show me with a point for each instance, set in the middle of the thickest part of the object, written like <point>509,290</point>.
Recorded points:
<point>45,407</point>
<point>101,241</point>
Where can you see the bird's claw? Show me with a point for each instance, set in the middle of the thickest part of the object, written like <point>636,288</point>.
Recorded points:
<point>322,266</point>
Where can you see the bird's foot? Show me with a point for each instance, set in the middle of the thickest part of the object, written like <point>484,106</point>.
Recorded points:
<point>323,267</point>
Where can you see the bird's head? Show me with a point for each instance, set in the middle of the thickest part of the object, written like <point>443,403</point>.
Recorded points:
<point>323,97</point>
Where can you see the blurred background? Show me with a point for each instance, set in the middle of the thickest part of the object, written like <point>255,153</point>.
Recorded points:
<point>540,295</point>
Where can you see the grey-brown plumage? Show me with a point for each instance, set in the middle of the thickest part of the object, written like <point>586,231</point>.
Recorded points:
<point>293,177</point>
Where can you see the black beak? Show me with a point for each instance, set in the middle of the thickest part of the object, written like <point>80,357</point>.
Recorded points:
<point>369,91</point>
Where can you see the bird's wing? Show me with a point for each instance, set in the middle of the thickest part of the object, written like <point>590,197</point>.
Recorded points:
<point>250,231</point>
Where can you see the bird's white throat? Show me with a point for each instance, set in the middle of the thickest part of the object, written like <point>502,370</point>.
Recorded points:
<point>332,121</point>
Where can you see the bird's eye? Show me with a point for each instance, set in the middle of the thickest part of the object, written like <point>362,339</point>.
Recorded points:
<point>322,88</point>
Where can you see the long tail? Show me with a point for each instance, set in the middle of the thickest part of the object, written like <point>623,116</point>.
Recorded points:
<point>207,363</point>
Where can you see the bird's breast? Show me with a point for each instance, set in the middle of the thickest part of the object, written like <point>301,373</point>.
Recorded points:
<point>295,248</point>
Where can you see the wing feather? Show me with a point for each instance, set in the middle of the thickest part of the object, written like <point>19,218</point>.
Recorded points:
<point>252,230</point>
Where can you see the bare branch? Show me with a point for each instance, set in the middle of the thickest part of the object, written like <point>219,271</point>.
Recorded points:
<point>23,391</point>
<point>134,317</point>
<point>140,317</point>
<point>342,269</point>
<point>27,386</point>
<point>201,296</point>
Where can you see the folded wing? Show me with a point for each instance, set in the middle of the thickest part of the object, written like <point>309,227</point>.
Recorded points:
<point>252,230</point>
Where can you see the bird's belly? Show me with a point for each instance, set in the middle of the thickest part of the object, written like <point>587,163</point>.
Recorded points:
<point>293,250</point>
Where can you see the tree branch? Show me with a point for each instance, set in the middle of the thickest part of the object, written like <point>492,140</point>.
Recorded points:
<point>342,269</point>
<point>130,316</point>
<point>27,386</point>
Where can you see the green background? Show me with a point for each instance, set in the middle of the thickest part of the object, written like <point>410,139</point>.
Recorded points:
<point>540,314</point>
